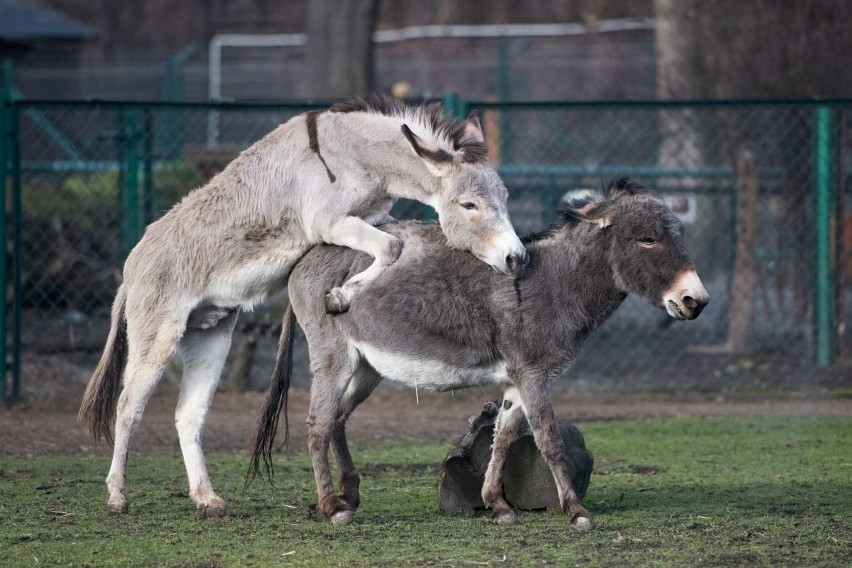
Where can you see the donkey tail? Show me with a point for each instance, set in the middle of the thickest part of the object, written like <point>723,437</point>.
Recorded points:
<point>98,407</point>
<point>275,402</point>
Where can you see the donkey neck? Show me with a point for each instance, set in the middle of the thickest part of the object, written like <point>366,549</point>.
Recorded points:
<point>403,173</point>
<point>572,280</point>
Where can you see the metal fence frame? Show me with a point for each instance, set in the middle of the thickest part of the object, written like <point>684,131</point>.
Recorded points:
<point>136,160</point>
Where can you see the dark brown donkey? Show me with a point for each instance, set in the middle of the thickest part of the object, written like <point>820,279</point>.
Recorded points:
<point>437,319</point>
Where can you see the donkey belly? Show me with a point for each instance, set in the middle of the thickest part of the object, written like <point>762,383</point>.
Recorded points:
<point>429,374</point>
<point>249,284</point>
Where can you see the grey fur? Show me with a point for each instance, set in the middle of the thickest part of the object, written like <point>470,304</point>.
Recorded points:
<point>466,325</point>
<point>230,243</point>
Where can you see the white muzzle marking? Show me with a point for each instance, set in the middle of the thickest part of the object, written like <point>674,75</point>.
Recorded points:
<point>686,285</point>
<point>506,245</point>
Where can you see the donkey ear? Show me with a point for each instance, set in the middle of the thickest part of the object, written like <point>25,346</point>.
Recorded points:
<point>473,128</point>
<point>434,156</point>
<point>595,212</point>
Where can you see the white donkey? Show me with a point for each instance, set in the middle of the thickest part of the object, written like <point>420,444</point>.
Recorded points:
<point>321,177</point>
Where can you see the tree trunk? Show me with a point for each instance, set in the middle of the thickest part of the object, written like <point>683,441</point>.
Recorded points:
<point>340,48</point>
<point>745,265</point>
<point>677,61</point>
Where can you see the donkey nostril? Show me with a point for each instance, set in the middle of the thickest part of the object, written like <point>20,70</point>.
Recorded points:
<point>511,262</point>
<point>515,263</point>
<point>690,302</point>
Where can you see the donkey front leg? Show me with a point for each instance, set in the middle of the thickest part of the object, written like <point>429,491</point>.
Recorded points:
<point>535,397</point>
<point>355,233</point>
<point>203,352</point>
<point>510,422</point>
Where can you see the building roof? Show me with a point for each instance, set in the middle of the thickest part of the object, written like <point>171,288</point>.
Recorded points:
<point>24,20</point>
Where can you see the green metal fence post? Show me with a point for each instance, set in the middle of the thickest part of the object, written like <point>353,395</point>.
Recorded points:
<point>147,169</point>
<point>17,256</point>
<point>5,98</point>
<point>172,121</point>
<point>825,218</point>
<point>131,212</point>
<point>503,96</point>
<point>172,88</point>
<point>451,101</point>
<point>462,107</point>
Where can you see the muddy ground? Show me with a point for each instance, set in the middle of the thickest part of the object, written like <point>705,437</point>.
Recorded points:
<point>49,427</point>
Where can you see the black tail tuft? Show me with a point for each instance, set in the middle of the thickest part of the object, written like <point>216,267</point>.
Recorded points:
<point>275,403</point>
<point>97,409</point>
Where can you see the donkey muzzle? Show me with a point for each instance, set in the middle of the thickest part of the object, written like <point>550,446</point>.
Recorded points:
<point>687,297</point>
<point>505,253</point>
<point>516,263</point>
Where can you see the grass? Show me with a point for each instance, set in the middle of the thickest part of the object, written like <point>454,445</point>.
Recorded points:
<point>675,492</point>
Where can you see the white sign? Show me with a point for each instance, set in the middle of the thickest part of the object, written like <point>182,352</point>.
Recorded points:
<point>684,205</point>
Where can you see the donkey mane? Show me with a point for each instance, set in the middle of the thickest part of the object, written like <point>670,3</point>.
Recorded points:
<point>443,128</point>
<point>568,212</point>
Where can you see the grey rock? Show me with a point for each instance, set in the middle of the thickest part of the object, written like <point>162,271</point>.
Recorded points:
<point>527,481</point>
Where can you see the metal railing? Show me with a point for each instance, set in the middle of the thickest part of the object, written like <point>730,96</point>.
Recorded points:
<point>82,179</point>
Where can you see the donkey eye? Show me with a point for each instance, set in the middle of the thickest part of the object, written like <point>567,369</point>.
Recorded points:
<point>648,241</point>
<point>469,205</point>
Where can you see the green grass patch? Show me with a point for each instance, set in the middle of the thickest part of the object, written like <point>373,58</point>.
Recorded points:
<point>676,492</point>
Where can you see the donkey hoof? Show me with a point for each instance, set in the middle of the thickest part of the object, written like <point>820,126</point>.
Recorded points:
<point>505,518</point>
<point>583,523</point>
<point>215,508</point>
<point>117,505</point>
<point>343,517</point>
<point>393,251</point>
<point>336,302</point>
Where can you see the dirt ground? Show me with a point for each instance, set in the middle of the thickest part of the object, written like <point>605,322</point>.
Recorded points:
<point>49,427</point>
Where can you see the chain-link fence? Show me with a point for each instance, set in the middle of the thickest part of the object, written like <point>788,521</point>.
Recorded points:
<point>762,189</point>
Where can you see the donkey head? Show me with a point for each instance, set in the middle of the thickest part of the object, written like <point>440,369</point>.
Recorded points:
<point>471,201</point>
<point>647,252</point>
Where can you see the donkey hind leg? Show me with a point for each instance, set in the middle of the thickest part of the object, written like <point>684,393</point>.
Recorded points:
<point>203,350</point>
<point>149,350</point>
<point>331,379</point>
<point>355,233</point>
<point>510,423</point>
<point>364,380</point>
<point>535,396</point>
